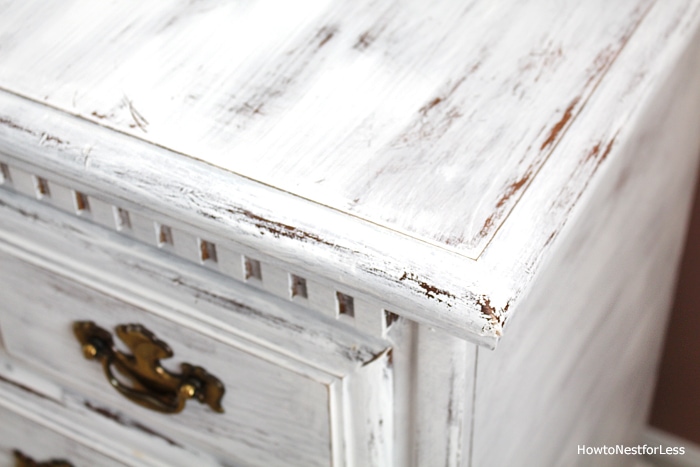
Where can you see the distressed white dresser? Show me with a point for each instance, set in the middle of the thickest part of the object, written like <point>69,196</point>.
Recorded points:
<point>328,233</point>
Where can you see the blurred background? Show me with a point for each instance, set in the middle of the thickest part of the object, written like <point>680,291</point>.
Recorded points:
<point>676,406</point>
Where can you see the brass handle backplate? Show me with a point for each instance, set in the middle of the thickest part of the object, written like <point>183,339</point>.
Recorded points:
<point>150,385</point>
<point>22,460</point>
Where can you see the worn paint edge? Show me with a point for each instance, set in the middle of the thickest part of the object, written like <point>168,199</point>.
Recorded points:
<point>83,149</point>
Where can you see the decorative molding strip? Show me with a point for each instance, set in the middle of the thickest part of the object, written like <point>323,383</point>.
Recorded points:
<point>199,248</point>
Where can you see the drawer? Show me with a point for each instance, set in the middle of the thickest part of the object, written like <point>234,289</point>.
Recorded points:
<point>277,410</point>
<point>50,418</point>
<point>20,436</point>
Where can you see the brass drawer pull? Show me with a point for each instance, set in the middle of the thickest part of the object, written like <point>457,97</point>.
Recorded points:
<point>22,460</point>
<point>153,386</point>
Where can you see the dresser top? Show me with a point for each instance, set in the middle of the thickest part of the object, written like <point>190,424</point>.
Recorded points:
<point>450,140</point>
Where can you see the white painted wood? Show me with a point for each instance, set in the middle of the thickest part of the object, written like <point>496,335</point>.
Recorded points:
<point>61,197</point>
<point>84,422</point>
<point>23,182</point>
<point>321,298</point>
<point>462,159</point>
<point>595,142</point>
<point>265,106</point>
<point>142,228</point>
<point>366,384</point>
<point>18,433</point>
<point>21,377</point>
<point>264,405</point>
<point>370,425</point>
<point>434,388</point>
<point>185,245</point>
<point>201,250</point>
<point>522,160</point>
<point>101,212</point>
<point>581,364</point>
<point>24,346</point>
<point>138,275</point>
<point>230,262</point>
<point>368,317</point>
<point>276,280</point>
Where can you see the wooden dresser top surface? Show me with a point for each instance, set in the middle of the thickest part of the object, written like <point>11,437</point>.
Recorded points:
<point>432,120</point>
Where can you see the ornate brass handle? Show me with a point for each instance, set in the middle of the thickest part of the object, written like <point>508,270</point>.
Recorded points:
<point>22,460</point>
<point>152,386</point>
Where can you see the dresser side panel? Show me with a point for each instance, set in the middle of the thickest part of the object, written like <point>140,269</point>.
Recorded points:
<point>578,364</point>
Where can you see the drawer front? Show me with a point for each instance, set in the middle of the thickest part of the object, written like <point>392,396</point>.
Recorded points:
<point>275,413</point>
<point>21,438</point>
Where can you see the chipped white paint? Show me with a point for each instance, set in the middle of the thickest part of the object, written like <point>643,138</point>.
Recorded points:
<point>20,434</point>
<point>273,360</point>
<point>196,247</point>
<point>320,165</point>
<point>434,391</point>
<point>79,429</point>
<point>463,121</point>
<point>269,108</point>
<point>579,364</point>
<point>300,428</point>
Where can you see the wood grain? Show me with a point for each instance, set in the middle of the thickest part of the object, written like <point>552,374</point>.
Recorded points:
<point>336,103</point>
<point>263,405</point>
<point>581,365</point>
<point>342,407</point>
<point>376,134</point>
<point>434,390</point>
<point>18,433</point>
<point>79,428</point>
<point>461,164</point>
<point>142,277</point>
<point>464,165</point>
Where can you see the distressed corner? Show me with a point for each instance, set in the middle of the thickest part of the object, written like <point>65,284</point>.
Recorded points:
<point>495,316</point>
